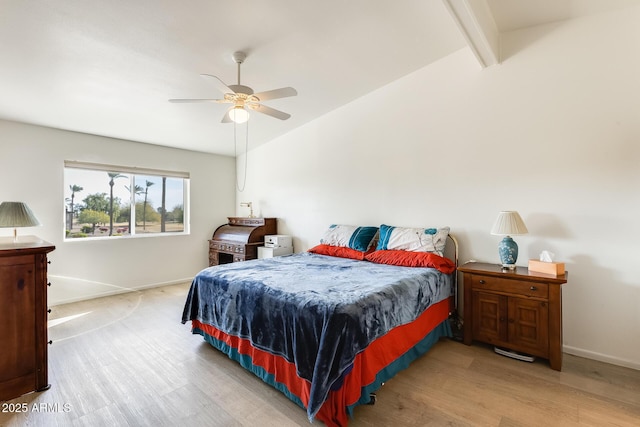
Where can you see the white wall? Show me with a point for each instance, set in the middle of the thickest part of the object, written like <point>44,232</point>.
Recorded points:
<point>32,162</point>
<point>552,132</point>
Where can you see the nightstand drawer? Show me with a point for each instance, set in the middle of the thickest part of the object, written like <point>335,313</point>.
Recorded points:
<point>518,287</point>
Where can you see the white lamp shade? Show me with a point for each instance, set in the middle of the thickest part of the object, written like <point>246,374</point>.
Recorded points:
<point>17,214</point>
<point>509,223</point>
<point>239,115</point>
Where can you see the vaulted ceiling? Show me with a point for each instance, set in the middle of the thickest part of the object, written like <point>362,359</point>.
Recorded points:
<point>109,68</point>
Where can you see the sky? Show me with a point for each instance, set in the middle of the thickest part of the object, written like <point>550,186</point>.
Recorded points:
<point>98,182</point>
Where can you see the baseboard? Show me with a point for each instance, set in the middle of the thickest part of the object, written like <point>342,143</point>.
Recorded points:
<point>107,289</point>
<point>601,357</point>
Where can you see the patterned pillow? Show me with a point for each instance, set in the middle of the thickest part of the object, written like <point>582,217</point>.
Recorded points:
<point>413,239</point>
<point>350,236</point>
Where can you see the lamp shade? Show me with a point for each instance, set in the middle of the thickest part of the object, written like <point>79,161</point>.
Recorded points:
<point>17,214</point>
<point>509,223</point>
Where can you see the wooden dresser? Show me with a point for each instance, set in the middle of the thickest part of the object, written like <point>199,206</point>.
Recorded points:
<point>518,310</point>
<point>23,316</point>
<point>239,239</point>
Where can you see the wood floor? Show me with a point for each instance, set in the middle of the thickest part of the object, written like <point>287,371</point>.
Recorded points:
<point>127,360</point>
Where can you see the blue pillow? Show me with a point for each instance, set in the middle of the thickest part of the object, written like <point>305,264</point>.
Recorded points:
<point>350,236</point>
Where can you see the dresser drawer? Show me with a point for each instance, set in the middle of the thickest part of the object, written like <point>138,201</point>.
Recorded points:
<point>509,286</point>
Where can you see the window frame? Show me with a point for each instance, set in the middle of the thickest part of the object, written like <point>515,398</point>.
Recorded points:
<point>133,173</point>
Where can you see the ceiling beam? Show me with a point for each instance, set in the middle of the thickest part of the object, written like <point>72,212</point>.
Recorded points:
<point>475,20</point>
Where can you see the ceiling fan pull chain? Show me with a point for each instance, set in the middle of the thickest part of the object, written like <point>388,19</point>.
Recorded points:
<point>246,155</point>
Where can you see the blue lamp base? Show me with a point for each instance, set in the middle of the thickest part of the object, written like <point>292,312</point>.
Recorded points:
<point>508,251</point>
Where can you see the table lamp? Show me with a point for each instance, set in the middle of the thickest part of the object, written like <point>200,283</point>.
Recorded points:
<point>16,214</point>
<point>508,223</point>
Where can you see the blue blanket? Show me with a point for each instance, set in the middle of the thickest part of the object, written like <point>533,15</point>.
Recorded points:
<point>316,311</point>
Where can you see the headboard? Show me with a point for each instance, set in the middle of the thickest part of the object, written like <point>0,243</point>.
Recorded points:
<point>451,251</point>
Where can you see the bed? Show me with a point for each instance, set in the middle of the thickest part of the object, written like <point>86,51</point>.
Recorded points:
<point>326,327</point>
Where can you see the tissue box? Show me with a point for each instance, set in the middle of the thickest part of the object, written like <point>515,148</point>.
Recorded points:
<point>555,268</point>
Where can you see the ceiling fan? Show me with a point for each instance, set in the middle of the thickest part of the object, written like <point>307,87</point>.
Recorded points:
<point>243,98</point>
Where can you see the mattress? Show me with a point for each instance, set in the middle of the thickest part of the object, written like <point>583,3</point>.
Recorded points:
<point>312,319</point>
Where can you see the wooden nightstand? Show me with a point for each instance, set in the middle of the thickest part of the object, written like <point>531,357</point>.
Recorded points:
<point>518,310</point>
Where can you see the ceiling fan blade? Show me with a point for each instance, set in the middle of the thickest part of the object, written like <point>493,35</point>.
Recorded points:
<point>222,87</point>
<point>227,118</point>
<point>219,101</point>
<point>270,111</point>
<point>283,92</point>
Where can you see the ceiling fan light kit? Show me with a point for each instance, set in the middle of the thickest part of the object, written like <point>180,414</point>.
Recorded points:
<point>238,114</point>
<point>244,98</point>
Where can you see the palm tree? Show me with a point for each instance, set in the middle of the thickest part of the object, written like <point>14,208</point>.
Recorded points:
<point>74,189</point>
<point>112,176</point>
<point>144,206</point>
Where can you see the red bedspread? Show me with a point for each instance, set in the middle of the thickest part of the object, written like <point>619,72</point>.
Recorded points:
<point>380,360</point>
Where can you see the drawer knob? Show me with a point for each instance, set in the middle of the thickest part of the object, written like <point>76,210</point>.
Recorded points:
<point>48,310</point>
<point>482,282</point>
<point>48,283</point>
<point>50,342</point>
<point>533,288</point>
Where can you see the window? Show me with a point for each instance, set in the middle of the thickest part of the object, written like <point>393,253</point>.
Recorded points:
<point>103,201</point>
